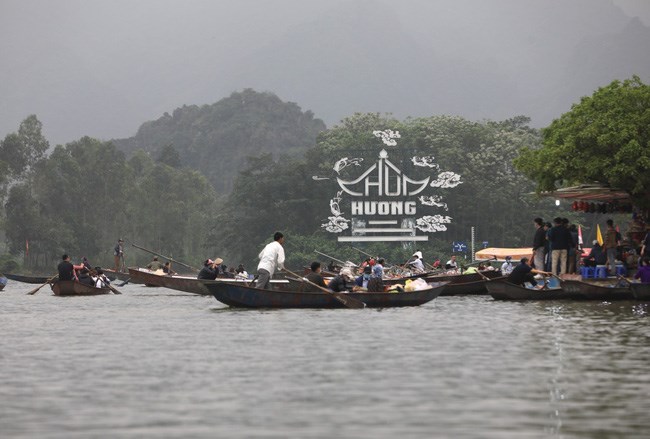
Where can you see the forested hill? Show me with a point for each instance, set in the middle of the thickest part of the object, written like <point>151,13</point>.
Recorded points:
<point>217,139</point>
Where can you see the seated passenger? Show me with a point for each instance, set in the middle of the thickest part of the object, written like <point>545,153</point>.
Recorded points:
<point>210,269</point>
<point>344,281</point>
<point>643,272</point>
<point>524,273</point>
<point>155,264</point>
<point>596,256</point>
<point>167,268</point>
<point>314,275</point>
<point>84,277</point>
<point>362,281</point>
<point>101,281</point>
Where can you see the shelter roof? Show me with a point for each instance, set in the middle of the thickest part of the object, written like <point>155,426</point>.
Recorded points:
<point>589,192</point>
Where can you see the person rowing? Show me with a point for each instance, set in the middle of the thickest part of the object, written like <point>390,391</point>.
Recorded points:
<point>523,273</point>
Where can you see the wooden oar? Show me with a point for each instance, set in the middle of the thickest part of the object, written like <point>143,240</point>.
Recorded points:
<point>46,282</point>
<point>113,289</point>
<point>166,257</point>
<point>346,300</point>
<point>337,260</point>
<point>624,279</point>
<point>493,258</point>
<point>124,283</point>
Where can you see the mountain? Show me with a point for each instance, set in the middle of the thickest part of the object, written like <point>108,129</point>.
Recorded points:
<point>217,139</point>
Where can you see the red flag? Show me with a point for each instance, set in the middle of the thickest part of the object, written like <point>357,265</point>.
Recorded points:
<point>27,247</point>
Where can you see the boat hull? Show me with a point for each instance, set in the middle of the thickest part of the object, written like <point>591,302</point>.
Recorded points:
<point>249,297</point>
<point>119,275</point>
<point>188,284</point>
<point>640,291</point>
<point>501,290</point>
<point>179,283</point>
<point>72,288</point>
<point>589,291</point>
<point>27,279</point>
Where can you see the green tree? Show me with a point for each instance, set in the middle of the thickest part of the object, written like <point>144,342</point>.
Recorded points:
<point>21,150</point>
<point>604,138</point>
<point>281,194</point>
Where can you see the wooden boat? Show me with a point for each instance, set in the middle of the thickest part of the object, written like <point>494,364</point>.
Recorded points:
<point>249,297</point>
<point>28,279</point>
<point>459,286</point>
<point>3,282</point>
<point>188,284</point>
<point>72,288</point>
<point>500,289</point>
<point>181,283</point>
<point>590,291</point>
<point>640,291</point>
<point>472,283</point>
<point>120,275</point>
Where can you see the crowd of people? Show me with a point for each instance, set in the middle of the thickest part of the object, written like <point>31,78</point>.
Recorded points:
<point>556,249</point>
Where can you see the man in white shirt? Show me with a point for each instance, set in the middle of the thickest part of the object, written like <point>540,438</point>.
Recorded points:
<point>416,263</point>
<point>271,258</point>
<point>451,264</point>
<point>507,267</point>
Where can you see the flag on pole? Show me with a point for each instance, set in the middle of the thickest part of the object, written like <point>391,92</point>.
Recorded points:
<point>599,236</point>
<point>580,241</point>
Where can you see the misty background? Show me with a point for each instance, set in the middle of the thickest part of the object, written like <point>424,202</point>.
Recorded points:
<point>104,68</point>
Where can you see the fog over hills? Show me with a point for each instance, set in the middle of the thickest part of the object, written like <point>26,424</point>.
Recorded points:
<point>102,69</point>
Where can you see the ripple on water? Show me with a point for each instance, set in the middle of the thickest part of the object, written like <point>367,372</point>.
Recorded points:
<point>153,362</point>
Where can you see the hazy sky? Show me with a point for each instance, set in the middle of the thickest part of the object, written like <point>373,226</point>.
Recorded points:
<point>101,68</point>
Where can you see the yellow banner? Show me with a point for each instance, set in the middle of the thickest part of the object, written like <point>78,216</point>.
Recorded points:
<point>599,236</point>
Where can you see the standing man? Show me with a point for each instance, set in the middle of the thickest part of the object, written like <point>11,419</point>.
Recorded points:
<point>118,254</point>
<point>560,239</point>
<point>611,241</point>
<point>271,258</point>
<point>539,241</point>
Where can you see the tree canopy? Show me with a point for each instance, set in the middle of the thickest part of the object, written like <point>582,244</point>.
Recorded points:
<point>85,195</point>
<point>605,138</point>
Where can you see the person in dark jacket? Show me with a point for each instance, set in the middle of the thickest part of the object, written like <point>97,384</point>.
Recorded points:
<point>539,243</point>
<point>344,281</point>
<point>560,238</point>
<point>314,275</point>
<point>84,277</point>
<point>210,269</point>
<point>596,256</point>
<point>525,273</point>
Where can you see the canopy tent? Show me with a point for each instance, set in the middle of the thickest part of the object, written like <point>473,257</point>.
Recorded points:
<point>516,253</point>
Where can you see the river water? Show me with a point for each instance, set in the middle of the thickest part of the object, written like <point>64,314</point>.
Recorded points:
<point>153,362</point>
